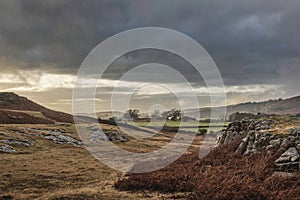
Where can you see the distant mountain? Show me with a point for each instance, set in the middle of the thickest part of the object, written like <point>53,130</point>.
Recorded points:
<point>18,109</point>
<point>279,107</point>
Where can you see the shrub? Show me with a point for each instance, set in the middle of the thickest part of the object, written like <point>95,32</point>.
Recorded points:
<point>222,174</point>
<point>202,131</point>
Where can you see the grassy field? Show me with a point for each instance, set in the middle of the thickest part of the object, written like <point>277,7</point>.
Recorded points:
<point>59,171</point>
<point>191,126</point>
<point>47,170</point>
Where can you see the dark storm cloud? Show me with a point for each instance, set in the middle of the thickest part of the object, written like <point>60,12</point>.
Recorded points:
<point>56,34</point>
<point>250,41</point>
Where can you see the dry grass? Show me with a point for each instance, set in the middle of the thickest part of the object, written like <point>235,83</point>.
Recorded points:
<point>285,123</point>
<point>53,171</point>
<point>220,175</point>
<point>32,113</point>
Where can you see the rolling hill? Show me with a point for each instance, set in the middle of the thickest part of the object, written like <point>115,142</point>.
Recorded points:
<point>290,106</point>
<point>20,110</point>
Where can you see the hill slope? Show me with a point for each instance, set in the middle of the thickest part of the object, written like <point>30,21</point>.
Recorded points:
<point>279,107</point>
<point>15,108</point>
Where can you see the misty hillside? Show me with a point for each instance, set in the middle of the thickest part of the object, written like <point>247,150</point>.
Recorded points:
<point>279,107</point>
<point>18,109</point>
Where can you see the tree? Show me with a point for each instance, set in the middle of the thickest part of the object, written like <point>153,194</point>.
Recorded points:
<point>174,114</point>
<point>202,131</point>
<point>132,114</point>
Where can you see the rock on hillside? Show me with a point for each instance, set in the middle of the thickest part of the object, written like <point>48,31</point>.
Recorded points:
<point>255,138</point>
<point>13,102</point>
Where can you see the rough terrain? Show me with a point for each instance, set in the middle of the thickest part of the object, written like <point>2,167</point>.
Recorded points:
<point>48,161</point>
<point>254,160</point>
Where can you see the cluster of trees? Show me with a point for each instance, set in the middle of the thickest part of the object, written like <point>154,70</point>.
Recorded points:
<point>135,115</point>
<point>174,114</point>
<point>132,114</point>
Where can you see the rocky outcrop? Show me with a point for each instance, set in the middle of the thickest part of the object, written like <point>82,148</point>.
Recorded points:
<point>62,139</point>
<point>6,149</point>
<point>57,136</point>
<point>23,142</point>
<point>289,159</point>
<point>97,134</point>
<point>255,138</point>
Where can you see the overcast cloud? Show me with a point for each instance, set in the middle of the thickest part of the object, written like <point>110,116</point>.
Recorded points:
<point>255,44</point>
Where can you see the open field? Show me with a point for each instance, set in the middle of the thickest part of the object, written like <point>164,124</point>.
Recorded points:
<point>170,123</point>
<point>191,126</point>
<point>47,170</point>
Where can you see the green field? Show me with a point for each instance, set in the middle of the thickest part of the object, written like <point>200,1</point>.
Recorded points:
<point>192,126</point>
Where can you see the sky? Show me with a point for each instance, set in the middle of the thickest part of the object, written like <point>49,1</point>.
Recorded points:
<point>255,45</point>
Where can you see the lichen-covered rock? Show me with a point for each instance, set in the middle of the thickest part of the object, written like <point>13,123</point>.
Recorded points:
<point>243,145</point>
<point>98,134</point>
<point>24,143</point>
<point>6,149</point>
<point>275,143</point>
<point>234,130</point>
<point>290,155</point>
<point>58,136</point>
<point>61,139</point>
<point>295,131</point>
<point>298,147</point>
<point>255,139</point>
